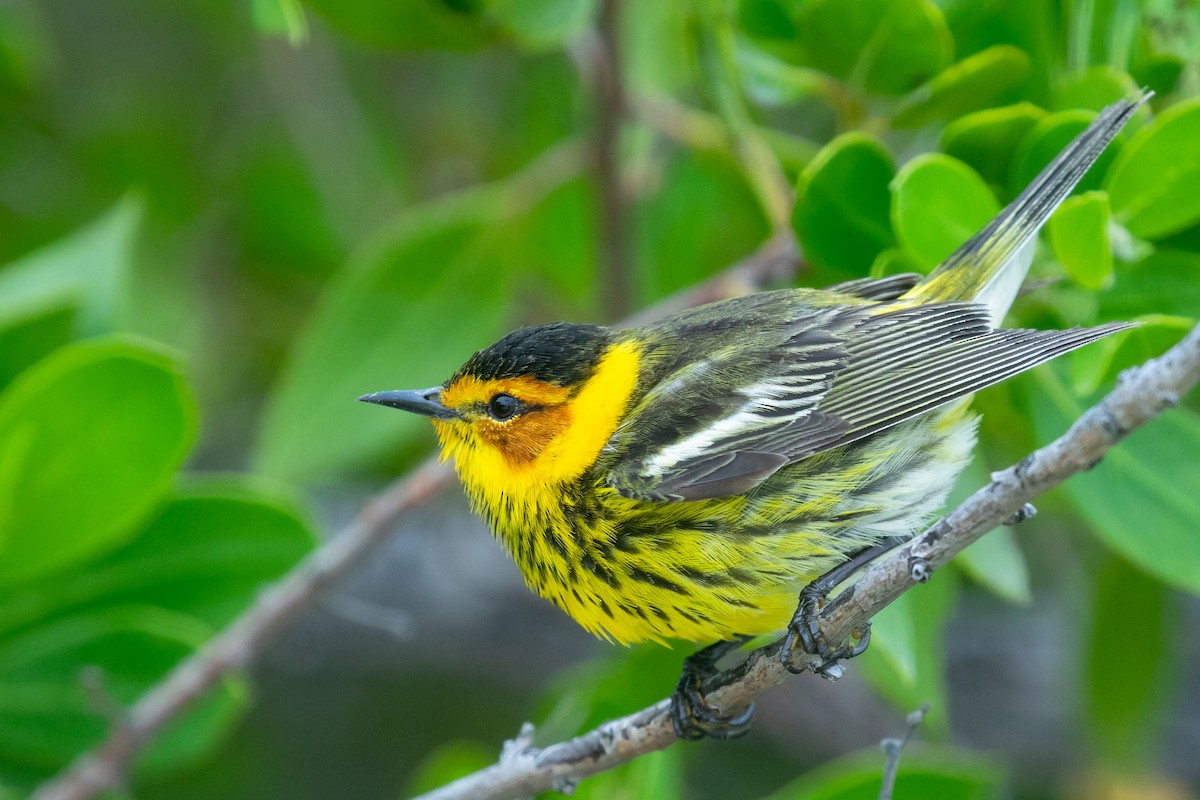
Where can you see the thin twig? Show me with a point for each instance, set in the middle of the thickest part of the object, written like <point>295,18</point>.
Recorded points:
<point>243,639</point>
<point>893,747</point>
<point>1142,394</point>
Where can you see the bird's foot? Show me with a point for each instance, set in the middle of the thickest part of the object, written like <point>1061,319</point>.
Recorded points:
<point>804,635</point>
<point>691,715</point>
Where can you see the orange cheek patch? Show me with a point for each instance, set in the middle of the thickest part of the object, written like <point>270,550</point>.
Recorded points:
<point>522,440</point>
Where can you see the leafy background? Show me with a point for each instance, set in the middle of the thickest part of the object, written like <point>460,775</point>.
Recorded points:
<point>221,222</point>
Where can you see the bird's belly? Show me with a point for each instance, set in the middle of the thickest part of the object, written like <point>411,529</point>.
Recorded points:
<point>714,569</point>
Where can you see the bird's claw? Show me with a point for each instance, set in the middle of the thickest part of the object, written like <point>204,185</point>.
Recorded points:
<point>691,715</point>
<point>804,635</point>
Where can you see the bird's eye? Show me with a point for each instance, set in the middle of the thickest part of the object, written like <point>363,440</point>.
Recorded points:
<point>502,407</point>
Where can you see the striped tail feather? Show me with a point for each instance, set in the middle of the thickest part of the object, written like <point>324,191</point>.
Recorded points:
<point>991,265</point>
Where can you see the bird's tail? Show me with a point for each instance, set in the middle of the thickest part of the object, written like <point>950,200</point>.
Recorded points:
<point>990,267</point>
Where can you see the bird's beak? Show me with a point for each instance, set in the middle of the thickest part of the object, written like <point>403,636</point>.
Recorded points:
<point>426,402</point>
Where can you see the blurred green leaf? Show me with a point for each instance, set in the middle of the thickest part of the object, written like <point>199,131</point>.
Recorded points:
<point>1159,73</point>
<point>773,81</point>
<point>556,245</point>
<point>924,772</point>
<point>411,25</point>
<point>1046,140</point>
<point>1127,667</point>
<point>971,84</point>
<point>894,637</point>
<point>33,332</point>
<point>25,51</point>
<point>281,18</point>
<point>938,203</point>
<point>47,712</point>
<point>702,218</point>
<point>451,761</point>
<point>385,322</point>
<point>995,561</point>
<point>104,423</point>
<point>655,775</point>
<point>987,140</point>
<point>905,661</point>
<point>206,553</point>
<point>1138,500</point>
<point>1166,282</point>
<point>842,204</point>
<point>195,734</point>
<point>1153,181</point>
<point>886,46</point>
<point>1095,88</point>
<point>542,24</point>
<point>656,45</point>
<point>892,261</point>
<point>90,267</point>
<point>1099,364</point>
<point>1078,231</point>
<point>767,19</point>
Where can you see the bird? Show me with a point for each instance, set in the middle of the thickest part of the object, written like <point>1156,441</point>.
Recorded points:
<point>683,479</point>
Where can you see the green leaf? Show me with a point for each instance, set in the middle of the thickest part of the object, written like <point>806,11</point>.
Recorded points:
<point>1167,282</point>
<point>89,267</point>
<point>938,203</point>
<point>988,140</point>
<point>1138,500</point>
<point>1159,73</point>
<point>281,18</point>
<point>197,733</point>
<point>658,775</point>
<point>26,55</point>
<point>842,203</point>
<point>411,25</point>
<point>892,261</point>
<point>47,716</point>
<point>1046,140</point>
<point>925,772</point>
<point>206,553</point>
<point>894,636</point>
<point>1101,363</point>
<point>703,218</point>
<point>542,24</point>
<point>905,662</point>
<point>89,440</point>
<point>886,46</point>
<point>1095,88</point>
<point>1078,232</point>
<point>1126,683</point>
<point>995,561</point>
<point>1153,181</point>
<point>971,84</point>
<point>393,318</point>
<point>657,46</point>
<point>772,81</point>
<point>449,762</point>
<point>29,334</point>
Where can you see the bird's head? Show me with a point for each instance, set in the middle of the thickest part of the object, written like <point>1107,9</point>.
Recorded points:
<point>536,406</point>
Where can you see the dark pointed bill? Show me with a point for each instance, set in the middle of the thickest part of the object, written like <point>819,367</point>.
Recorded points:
<point>426,402</point>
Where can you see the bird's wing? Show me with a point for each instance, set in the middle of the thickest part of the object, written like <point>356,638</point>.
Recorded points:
<point>723,424</point>
<point>878,289</point>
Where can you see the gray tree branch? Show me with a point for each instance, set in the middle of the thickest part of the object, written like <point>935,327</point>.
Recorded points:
<point>1141,395</point>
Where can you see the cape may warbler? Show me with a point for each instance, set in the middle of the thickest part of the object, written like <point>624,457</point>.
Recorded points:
<point>684,479</point>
